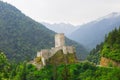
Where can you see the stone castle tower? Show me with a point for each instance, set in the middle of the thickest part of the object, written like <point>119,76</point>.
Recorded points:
<point>59,40</point>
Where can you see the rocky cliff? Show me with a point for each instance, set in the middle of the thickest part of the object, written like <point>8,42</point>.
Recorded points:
<point>108,62</point>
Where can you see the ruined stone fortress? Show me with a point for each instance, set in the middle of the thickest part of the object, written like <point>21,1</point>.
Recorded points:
<point>59,45</point>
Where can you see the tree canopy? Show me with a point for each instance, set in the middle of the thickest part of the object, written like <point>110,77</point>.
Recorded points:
<point>111,47</point>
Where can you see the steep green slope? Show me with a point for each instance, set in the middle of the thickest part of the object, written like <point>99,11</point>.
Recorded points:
<point>94,55</point>
<point>111,47</point>
<point>21,37</point>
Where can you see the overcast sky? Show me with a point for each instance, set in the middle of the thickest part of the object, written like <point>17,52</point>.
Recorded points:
<point>69,11</point>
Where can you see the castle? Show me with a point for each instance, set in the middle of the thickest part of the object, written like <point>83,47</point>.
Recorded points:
<point>45,54</point>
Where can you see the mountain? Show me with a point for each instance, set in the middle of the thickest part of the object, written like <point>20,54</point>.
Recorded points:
<point>93,33</point>
<point>60,27</point>
<point>21,37</point>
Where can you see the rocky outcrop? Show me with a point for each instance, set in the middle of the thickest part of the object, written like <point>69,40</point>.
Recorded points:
<point>61,58</point>
<point>108,62</point>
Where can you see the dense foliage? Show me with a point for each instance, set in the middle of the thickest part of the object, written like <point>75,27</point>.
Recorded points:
<point>94,55</point>
<point>111,47</point>
<point>78,71</point>
<point>21,37</point>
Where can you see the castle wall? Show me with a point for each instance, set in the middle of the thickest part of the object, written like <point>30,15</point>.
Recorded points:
<point>38,54</point>
<point>68,49</point>
<point>43,61</point>
<point>65,51</point>
<point>44,53</point>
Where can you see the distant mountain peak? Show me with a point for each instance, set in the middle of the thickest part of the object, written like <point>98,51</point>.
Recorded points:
<point>66,28</point>
<point>111,15</point>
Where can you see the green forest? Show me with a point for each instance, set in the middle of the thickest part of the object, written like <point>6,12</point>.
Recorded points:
<point>78,71</point>
<point>111,47</point>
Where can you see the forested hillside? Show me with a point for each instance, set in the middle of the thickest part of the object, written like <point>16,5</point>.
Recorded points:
<point>21,37</point>
<point>110,48</point>
<point>95,55</point>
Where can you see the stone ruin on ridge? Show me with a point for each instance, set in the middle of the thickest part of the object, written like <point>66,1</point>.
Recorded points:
<point>46,54</point>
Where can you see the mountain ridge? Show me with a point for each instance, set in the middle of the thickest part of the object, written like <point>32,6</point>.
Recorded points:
<point>65,28</point>
<point>93,33</point>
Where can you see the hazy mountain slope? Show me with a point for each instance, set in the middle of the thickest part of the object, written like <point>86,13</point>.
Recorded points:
<point>94,32</point>
<point>61,27</point>
<point>21,37</point>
